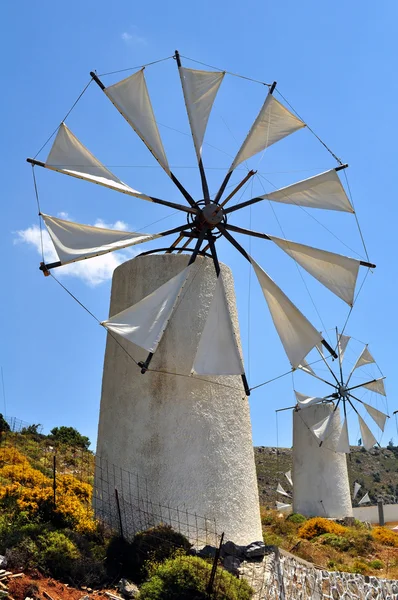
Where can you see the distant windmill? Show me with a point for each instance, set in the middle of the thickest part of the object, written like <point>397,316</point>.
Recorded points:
<point>346,394</point>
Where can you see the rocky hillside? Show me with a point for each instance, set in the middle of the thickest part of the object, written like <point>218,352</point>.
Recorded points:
<point>376,471</point>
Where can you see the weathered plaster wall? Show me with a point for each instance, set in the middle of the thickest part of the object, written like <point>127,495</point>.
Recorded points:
<point>321,485</point>
<point>371,513</point>
<point>190,439</point>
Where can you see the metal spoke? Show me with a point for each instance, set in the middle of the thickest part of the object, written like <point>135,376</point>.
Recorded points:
<point>195,252</point>
<point>354,387</point>
<point>339,353</point>
<point>174,179</point>
<point>327,364</point>
<point>242,204</point>
<point>193,210</point>
<point>238,187</point>
<point>316,376</point>
<point>245,254</point>
<point>264,236</point>
<point>222,187</point>
<point>187,244</point>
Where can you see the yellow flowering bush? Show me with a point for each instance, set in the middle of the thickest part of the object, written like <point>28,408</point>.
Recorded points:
<point>32,491</point>
<point>385,536</point>
<point>317,526</point>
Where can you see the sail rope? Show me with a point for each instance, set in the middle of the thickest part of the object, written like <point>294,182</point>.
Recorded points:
<point>356,216</point>
<point>310,129</point>
<point>154,62</point>
<point>249,293</point>
<point>65,117</point>
<point>224,71</point>
<point>39,212</point>
<point>314,218</point>
<point>163,372</point>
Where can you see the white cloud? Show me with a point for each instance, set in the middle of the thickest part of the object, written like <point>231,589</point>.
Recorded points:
<point>126,37</point>
<point>64,215</point>
<point>93,271</point>
<point>121,225</point>
<point>133,37</point>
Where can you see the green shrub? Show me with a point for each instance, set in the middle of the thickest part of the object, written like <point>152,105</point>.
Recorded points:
<point>361,542</point>
<point>187,577</point>
<point>296,518</point>
<point>271,539</point>
<point>24,555</point>
<point>155,544</point>
<point>376,564</point>
<point>57,553</point>
<point>336,541</point>
<point>360,567</point>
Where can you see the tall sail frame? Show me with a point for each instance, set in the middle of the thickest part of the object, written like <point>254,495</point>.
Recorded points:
<point>207,218</point>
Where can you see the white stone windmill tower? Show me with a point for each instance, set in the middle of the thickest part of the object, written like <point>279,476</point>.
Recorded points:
<point>174,396</point>
<point>320,441</point>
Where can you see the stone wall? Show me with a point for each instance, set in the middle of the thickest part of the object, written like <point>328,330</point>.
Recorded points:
<point>281,576</point>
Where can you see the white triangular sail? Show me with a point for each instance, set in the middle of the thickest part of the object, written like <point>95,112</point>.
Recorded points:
<point>131,98</point>
<point>218,352</point>
<point>336,272</point>
<point>296,333</point>
<point>357,487</point>
<point>343,342</point>
<point>69,156</point>
<point>288,476</point>
<point>200,89</point>
<point>365,358</point>
<point>144,323</point>
<point>364,499</point>
<point>273,123</point>
<point>367,437</point>
<point>321,191</point>
<point>376,386</point>
<point>321,429</point>
<point>303,401</point>
<point>280,490</point>
<point>282,506</point>
<point>343,444</point>
<point>304,366</point>
<point>74,241</point>
<point>378,417</point>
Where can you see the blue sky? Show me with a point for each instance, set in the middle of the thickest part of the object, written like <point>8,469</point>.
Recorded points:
<point>335,64</point>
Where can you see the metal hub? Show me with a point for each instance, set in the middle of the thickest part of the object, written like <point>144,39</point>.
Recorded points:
<point>212,214</point>
<point>343,391</point>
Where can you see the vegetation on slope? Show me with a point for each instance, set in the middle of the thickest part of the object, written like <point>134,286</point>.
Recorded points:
<point>375,470</point>
<point>334,546</point>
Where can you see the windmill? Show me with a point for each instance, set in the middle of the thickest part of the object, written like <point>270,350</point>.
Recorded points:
<point>320,441</point>
<point>163,305</point>
<point>285,506</point>
<point>207,219</point>
<point>346,393</point>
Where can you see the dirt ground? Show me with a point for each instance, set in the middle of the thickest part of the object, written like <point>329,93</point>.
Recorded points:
<point>34,585</point>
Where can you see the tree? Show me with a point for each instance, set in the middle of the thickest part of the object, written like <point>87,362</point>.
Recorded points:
<point>69,436</point>
<point>4,426</point>
<point>31,429</point>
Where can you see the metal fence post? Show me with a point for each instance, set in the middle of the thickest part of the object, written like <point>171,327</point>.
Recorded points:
<point>55,481</point>
<point>209,588</point>
<point>119,513</point>
<point>381,512</point>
